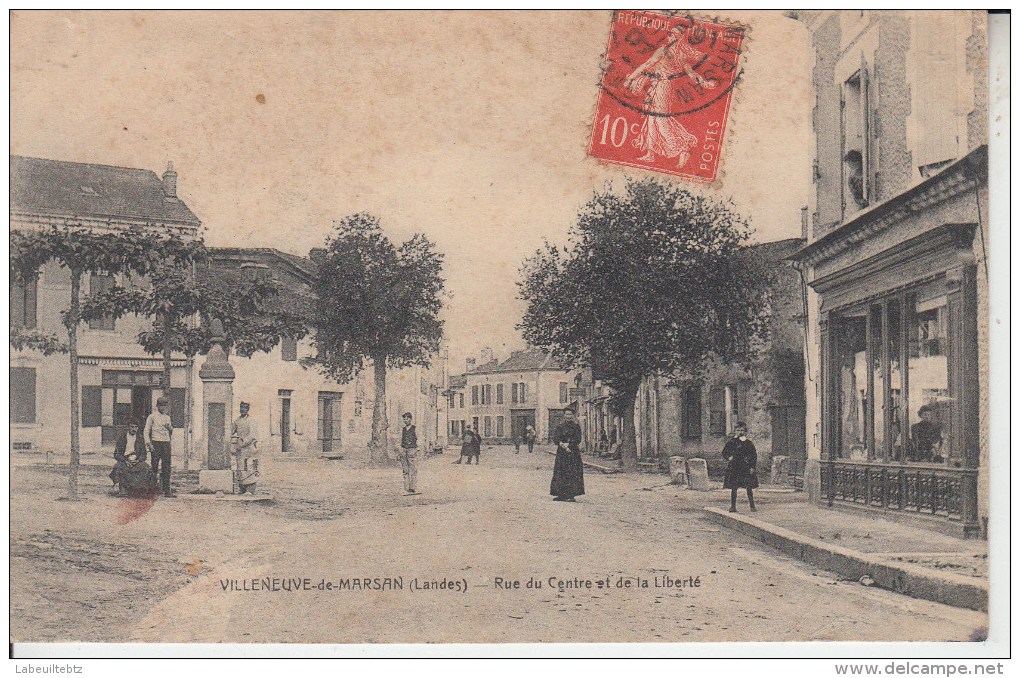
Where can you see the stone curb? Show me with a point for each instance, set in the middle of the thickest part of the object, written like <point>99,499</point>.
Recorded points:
<point>946,588</point>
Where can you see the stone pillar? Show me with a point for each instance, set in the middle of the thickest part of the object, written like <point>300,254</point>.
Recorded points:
<point>678,470</point>
<point>217,377</point>
<point>697,474</point>
<point>780,470</point>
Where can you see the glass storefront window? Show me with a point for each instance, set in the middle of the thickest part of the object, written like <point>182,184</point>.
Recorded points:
<point>853,387</point>
<point>893,396</point>
<point>931,402</point>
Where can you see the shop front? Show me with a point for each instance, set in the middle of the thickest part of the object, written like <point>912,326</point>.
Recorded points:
<point>900,357</point>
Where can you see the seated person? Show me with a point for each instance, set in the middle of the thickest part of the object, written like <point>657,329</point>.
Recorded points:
<point>131,475</point>
<point>926,436</point>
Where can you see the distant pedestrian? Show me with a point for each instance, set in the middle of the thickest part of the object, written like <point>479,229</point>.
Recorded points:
<point>530,437</point>
<point>742,469</point>
<point>246,447</point>
<point>409,455</point>
<point>131,475</point>
<point>568,470</point>
<point>159,431</point>
<point>471,446</point>
<point>517,444</point>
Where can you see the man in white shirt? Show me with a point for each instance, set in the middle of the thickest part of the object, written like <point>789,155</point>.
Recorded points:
<point>158,432</point>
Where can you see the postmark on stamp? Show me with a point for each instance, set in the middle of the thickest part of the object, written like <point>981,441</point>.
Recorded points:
<point>665,92</point>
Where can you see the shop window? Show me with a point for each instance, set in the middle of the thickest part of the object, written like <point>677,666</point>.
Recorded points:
<point>893,400</point>
<point>22,395</point>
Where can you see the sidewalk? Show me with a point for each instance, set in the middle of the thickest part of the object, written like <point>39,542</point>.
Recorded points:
<point>912,560</point>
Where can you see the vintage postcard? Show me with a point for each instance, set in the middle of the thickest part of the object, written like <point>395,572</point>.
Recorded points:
<point>347,328</point>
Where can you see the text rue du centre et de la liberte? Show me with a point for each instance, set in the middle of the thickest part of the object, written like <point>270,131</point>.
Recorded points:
<point>456,585</point>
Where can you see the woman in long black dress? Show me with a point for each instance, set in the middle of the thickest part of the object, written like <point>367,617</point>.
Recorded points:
<point>742,470</point>
<point>568,471</point>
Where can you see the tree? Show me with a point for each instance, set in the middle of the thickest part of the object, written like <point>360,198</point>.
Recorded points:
<point>256,313</point>
<point>82,251</point>
<point>653,281</point>
<point>376,301</point>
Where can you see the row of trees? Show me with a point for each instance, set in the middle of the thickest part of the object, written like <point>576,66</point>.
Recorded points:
<point>374,301</point>
<point>654,281</point>
<point>162,276</point>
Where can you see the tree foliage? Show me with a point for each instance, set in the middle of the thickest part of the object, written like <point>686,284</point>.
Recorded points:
<point>652,281</point>
<point>376,299</point>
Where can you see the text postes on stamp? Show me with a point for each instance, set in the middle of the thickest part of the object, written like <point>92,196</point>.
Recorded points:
<point>665,93</point>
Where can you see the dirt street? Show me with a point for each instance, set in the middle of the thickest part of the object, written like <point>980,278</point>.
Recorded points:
<point>630,561</point>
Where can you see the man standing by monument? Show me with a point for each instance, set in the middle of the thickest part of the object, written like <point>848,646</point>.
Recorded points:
<point>158,432</point>
<point>246,449</point>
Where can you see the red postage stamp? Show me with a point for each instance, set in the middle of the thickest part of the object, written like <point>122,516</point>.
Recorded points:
<point>665,93</point>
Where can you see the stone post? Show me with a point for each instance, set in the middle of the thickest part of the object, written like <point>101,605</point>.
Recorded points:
<point>217,377</point>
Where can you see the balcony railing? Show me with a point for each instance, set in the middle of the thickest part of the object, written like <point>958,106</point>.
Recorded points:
<point>911,488</point>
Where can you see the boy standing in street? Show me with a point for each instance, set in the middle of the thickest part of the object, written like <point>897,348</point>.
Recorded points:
<point>158,432</point>
<point>409,455</point>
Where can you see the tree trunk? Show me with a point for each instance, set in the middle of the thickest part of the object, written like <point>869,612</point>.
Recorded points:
<point>168,345</point>
<point>72,349</point>
<point>380,425</point>
<point>628,442</point>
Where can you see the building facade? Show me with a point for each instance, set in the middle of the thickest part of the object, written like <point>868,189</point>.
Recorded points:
<point>896,263</point>
<point>693,416</point>
<point>297,411</point>
<point>119,381</point>
<point>502,398</point>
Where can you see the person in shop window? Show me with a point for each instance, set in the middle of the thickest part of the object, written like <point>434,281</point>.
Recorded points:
<point>926,436</point>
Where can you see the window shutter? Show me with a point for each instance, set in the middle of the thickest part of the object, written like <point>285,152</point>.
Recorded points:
<point>177,407</point>
<point>18,305</point>
<point>866,132</point>
<point>22,395</point>
<point>934,89</point>
<point>91,406</point>
<point>288,349</point>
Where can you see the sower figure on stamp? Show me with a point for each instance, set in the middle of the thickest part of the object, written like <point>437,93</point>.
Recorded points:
<point>246,448</point>
<point>409,455</point>
<point>661,133</point>
<point>568,470</point>
<point>131,476</point>
<point>159,431</point>
<point>742,470</point>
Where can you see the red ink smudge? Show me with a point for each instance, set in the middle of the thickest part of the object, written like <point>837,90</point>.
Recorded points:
<point>133,508</point>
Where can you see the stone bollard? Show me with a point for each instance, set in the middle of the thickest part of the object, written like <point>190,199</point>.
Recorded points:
<point>697,474</point>
<point>780,470</point>
<point>677,471</point>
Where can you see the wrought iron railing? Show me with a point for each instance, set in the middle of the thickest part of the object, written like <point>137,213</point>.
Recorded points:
<point>923,489</point>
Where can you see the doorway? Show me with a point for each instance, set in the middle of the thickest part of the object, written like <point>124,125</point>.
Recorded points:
<point>285,429</point>
<point>519,420</point>
<point>329,422</point>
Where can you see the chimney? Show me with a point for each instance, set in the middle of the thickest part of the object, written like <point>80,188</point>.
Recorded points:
<point>486,355</point>
<point>170,181</point>
<point>469,364</point>
<point>317,255</point>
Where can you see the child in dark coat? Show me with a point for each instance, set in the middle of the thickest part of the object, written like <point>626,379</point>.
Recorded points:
<point>742,470</point>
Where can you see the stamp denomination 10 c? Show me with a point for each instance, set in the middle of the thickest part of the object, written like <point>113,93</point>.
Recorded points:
<point>665,93</point>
